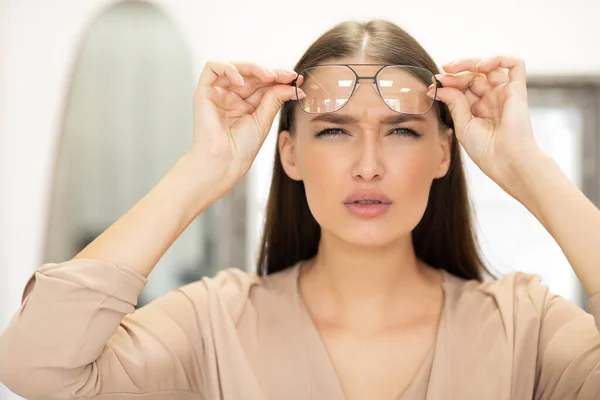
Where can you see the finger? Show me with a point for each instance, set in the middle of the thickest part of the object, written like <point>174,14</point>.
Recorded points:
<point>466,64</point>
<point>231,102</point>
<point>497,77</point>
<point>214,70</point>
<point>265,74</point>
<point>254,82</point>
<point>480,110</point>
<point>285,76</point>
<point>248,71</point>
<point>476,83</point>
<point>270,104</point>
<point>515,66</point>
<point>471,97</point>
<point>458,105</point>
<point>255,98</point>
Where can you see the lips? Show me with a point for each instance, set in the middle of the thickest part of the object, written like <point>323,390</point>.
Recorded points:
<point>367,204</point>
<point>368,197</point>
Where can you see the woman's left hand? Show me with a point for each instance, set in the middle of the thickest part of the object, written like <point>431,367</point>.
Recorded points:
<point>488,102</point>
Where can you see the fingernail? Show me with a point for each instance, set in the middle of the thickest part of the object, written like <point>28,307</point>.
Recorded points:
<point>431,93</point>
<point>439,76</point>
<point>448,64</point>
<point>290,71</point>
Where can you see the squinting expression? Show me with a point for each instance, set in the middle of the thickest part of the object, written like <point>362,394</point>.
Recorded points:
<point>367,170</point>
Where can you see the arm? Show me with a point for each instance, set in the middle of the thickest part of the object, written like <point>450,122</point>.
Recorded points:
<point>569,350</point>
<point>571,219</point>
<point>568,353</point>
<point>488,102</point>
<point>76,334</point>
<point>140,237</point>
<point>231,121</point>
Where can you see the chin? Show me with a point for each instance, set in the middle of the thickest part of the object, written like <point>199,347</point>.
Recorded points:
<point>376,233</point>
<point>374,243</point>
<point>374,237</point>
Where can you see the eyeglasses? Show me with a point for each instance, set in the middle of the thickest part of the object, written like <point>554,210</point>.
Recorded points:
<point>329,87</point>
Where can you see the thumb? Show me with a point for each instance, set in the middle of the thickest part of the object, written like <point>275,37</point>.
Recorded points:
<point>270,104</point>
<point>457,104</point>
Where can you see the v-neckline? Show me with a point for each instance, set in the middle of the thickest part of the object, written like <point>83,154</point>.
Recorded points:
<point>324,381</point>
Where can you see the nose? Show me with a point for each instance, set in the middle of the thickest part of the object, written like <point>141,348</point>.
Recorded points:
<point>368,165</point>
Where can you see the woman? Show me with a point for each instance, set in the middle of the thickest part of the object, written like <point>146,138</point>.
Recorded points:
<point>371,284</point>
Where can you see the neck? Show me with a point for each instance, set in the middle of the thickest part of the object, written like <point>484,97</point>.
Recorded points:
<point>358,281</point>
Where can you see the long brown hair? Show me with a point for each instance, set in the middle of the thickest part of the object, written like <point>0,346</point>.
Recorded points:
<point>444,238</point>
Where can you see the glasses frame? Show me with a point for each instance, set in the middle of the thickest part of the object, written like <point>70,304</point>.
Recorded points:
<point>357,78</point>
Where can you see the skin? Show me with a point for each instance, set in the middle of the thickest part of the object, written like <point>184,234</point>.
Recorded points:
<point>488,101</point>
<point>375,305</point>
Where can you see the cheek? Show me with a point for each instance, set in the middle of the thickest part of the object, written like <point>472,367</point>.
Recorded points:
<point>413,170</point>
<point>327,175</point>
<point>409,183</point>
<point>325,171</point>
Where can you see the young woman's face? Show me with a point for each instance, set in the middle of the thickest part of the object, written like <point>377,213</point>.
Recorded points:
<point>367,170</point>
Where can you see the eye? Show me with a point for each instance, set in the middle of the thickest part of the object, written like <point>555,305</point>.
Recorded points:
<point>331,132</point>
<point>405,132</point>
<point>340,132</point>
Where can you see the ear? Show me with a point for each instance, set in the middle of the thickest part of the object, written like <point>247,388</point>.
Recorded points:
<point>446,138</point>
<point>287,155</point>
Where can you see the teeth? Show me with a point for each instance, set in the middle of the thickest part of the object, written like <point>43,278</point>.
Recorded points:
<point>368,202</point>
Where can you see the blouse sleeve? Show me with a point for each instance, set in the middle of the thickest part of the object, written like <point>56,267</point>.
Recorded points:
<point>568,349</point>
<point>77,335</point>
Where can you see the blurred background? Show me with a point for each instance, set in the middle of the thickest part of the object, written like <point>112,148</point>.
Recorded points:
<point>95,107</point>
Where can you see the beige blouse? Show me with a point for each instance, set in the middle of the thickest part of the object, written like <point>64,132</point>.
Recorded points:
<point>238,336</point>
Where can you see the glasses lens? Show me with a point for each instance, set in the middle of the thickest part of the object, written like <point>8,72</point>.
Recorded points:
<point>404,89</point>
<point>327,88</point>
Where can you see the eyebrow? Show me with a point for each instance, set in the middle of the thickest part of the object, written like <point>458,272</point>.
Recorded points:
<point>343,119</point>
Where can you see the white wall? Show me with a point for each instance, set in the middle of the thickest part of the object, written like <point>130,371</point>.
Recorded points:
<point>39,41</point>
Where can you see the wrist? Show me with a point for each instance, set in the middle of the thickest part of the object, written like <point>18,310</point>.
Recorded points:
<point>205,182</point>
<point>533,179</point>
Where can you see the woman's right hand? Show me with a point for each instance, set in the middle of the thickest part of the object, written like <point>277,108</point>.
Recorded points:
<point>234,107</point>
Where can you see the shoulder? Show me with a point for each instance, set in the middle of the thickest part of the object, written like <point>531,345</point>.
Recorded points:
<point>233,289</point>
<point>516,294</point>
<point>513,285</point>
